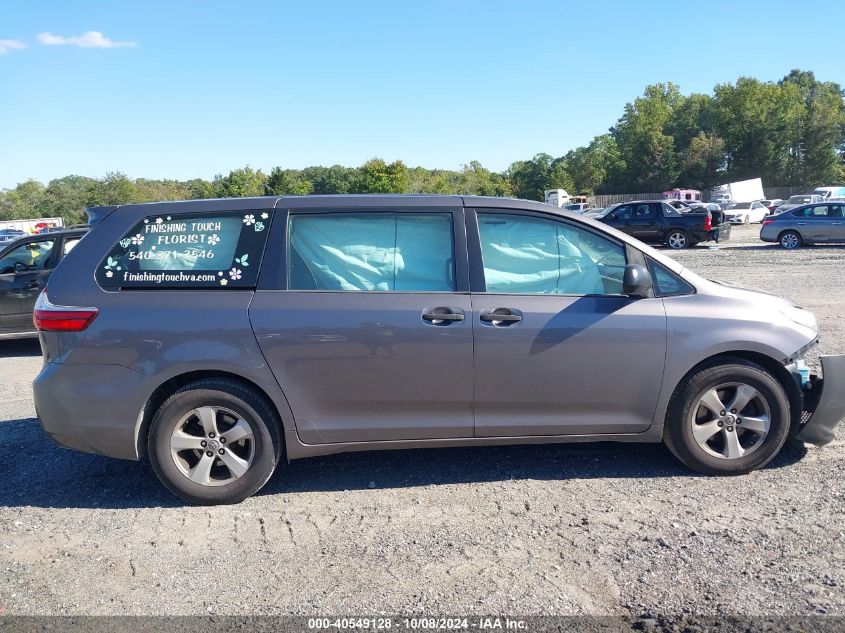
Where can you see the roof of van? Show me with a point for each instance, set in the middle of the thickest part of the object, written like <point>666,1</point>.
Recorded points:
<point>96,214</point>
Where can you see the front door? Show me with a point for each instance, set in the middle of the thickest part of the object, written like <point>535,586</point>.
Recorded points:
<point>372,337</point>
<point>24,270</point>
<point>558,349</point>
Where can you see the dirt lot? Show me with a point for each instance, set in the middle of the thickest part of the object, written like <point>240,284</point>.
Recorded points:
<point>599,529</point>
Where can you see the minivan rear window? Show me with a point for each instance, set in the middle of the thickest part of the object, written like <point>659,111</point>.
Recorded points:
<point>188,250</point>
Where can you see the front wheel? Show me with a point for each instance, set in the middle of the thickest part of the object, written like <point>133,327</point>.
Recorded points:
<point>746,220</point>
<point>678,240</point>
<point>214,442</point>
<point>728,419</point>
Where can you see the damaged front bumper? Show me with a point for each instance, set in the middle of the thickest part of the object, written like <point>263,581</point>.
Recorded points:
<point>824,402</point>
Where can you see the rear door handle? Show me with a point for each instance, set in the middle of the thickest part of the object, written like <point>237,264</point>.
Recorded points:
<point>442,316</point>
<point>500,317</point>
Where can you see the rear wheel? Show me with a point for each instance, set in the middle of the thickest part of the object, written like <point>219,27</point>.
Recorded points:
<point>728,419</point>
<point>677,239</point>
<point>214,442</point>
<point>790,240</point>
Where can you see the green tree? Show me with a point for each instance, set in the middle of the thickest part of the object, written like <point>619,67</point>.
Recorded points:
<point>240,183</point>
<point>287,182</point>
<point>647,151</point>
<point>376,176</point>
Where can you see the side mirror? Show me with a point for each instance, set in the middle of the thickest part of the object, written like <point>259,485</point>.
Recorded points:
<point>636,282</point>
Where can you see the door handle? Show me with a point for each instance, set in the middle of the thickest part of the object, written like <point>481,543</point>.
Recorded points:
<point>442,316</point>
<point>500,317</point>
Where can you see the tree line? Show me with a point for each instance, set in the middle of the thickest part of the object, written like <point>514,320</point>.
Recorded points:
<point>789,133</point>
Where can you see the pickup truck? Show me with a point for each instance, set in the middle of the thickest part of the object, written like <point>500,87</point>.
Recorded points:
<point>657,221</point>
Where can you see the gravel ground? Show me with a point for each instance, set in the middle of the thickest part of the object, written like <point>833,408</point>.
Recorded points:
<point>577,529</point>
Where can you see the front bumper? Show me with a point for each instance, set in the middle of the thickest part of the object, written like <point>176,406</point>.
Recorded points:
<point>825,402</point>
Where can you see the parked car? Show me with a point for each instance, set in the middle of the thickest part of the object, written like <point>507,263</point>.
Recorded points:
<point>222,338</point>
<point>746,212</point>
<point>811,224</point>
<point>9,235</point>
<point>797,201</point>
<point>578,207</point>
<point>772,204</point>
<point>25,266</point>
<point>658,221</point>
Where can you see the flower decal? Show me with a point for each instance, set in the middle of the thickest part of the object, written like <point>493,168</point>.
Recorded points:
<point>213,239</point>
<point>235,274</point>
<point>220,273</point>
<point>159,220</point>
<point>224,282</point>
<point>109,273</point>
<point>259,226</point>
<point>111,262</point>
<point>249,219</point>
<point>242,260</point>
<point>125,242</point>
<point>137,239</point>
<point>265,215</point>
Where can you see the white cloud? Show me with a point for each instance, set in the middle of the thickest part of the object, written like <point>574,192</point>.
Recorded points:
<point>10,45</point>
<point>89,39</point>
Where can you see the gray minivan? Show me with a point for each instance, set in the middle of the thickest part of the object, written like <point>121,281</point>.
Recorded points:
<point>222,337</point>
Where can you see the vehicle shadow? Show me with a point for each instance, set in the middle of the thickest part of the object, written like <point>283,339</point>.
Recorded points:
<point>20,347</point>
<point>36,472</point>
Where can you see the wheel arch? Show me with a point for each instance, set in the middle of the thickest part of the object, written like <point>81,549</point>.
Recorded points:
<point>174,383</point>
<point>772,365</point>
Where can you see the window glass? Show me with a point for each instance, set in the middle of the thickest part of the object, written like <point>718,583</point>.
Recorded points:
<point>622,212</point>
<point>523,254</point>
<point>193,250</point>
<point>666,282</point>
<point>29,256</point>
<point>670,211</point>
<point>811,212</point>
<point>371,251</point>
<point>642,211</point>
<point>835,211</point>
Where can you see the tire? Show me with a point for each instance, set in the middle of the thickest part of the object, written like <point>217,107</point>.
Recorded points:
<point>206,412</point>
<point>790,240</point>
<point>689,421</point>
<point>677,239</point>
<point>746,220</point>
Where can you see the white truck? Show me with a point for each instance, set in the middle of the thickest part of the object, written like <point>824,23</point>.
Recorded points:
<point>556,197</point>
<point>741,191</point>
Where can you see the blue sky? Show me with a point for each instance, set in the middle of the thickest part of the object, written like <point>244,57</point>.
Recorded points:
<point>191,88</point>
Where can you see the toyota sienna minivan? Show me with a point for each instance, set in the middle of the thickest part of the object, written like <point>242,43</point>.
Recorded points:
<point>220,338</point>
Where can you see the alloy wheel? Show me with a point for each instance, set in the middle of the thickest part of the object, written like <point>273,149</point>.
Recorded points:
<point>730,420</point>
<point>790,240</point>
<point>212,446</point>
<point>677,240</point>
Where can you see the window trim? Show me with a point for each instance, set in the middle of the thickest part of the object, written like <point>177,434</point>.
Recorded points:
<point>274,271</point>
<point>478,282</point>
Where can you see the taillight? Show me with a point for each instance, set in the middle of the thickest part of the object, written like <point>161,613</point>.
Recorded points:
<point>49,317</point>
<point>765,222</point>
<point>708,222</point>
